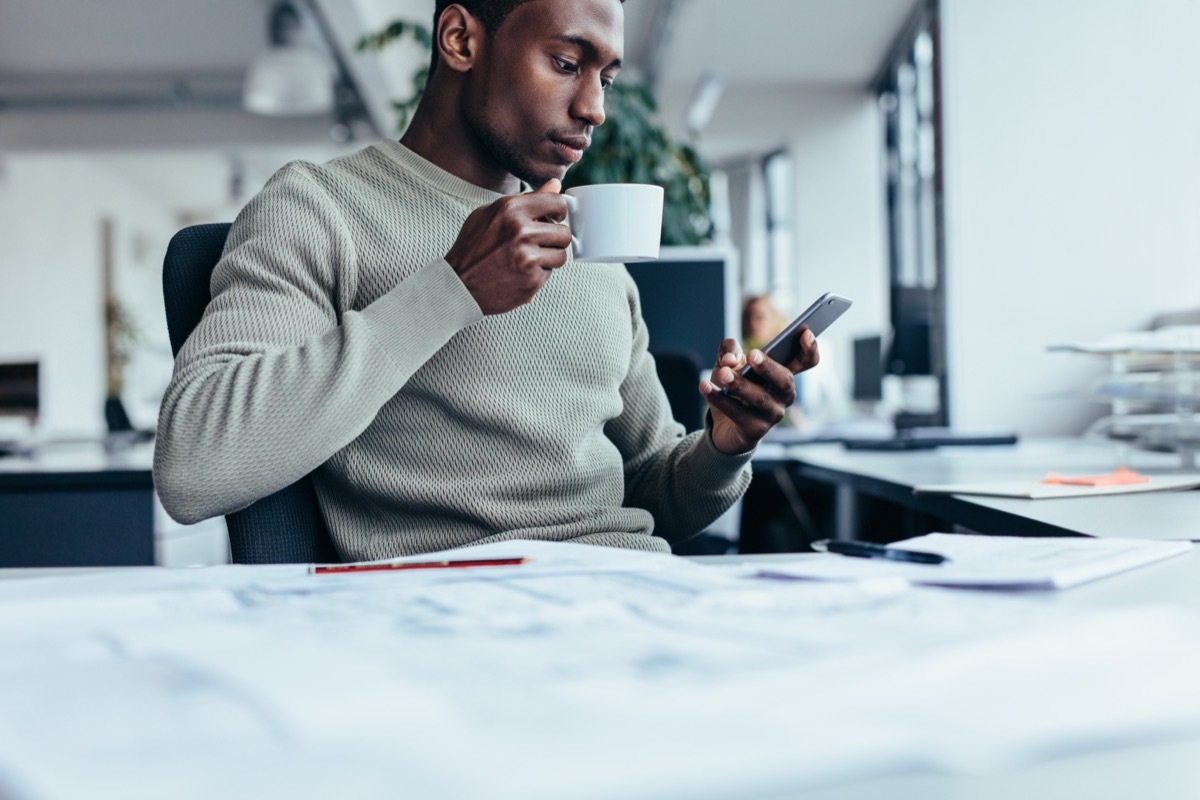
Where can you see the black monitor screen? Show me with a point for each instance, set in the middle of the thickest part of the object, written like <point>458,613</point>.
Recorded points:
<point>19,389</point>
<point>868,368</point>
<point>684,304</point>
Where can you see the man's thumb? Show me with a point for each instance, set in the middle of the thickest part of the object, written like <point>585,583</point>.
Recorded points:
<point>552,186</point>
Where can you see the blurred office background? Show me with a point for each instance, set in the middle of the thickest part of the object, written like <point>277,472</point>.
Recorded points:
<point>983,178</point>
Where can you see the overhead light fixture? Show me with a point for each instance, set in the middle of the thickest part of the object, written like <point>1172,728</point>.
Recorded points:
<point>704,101</point>
<point>293,78</point>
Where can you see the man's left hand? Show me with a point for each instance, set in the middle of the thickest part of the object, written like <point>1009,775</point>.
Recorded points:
<point>743,410</point>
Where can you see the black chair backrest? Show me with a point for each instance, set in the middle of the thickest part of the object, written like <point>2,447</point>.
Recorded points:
<point>679,372</point>
<point>286,527</point>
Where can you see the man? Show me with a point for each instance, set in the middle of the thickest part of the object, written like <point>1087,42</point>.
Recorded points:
<point>407,323</point>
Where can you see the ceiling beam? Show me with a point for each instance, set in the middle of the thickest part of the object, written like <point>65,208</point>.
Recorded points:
<point>657,40</point>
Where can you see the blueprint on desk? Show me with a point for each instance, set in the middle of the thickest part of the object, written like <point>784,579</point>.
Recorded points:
<point>588,673</point>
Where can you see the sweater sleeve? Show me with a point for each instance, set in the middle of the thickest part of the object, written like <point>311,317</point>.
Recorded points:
<point>280,374</point>
<point>683,481</point>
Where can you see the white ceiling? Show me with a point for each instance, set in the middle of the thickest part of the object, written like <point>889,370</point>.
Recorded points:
<point>73,37</point>
<point>66,54</point>
<point>812,42</point>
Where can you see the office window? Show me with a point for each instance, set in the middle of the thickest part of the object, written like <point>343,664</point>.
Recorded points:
<point>778,184</point>
<point>759,215</point>
<point>909,99</point>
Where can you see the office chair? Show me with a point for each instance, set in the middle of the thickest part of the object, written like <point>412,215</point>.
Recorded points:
<point>286,527</point>
<point>679,372</point>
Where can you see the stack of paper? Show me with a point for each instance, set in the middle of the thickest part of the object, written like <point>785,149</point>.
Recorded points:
<point>996,562</point>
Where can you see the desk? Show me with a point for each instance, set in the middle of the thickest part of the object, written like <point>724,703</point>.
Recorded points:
<point>98,505</point>
<point>1164,771</point>
<point>891,476</point>
<point>300,757</point>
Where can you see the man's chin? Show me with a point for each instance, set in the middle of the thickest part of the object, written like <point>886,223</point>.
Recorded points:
<point>545,176</point>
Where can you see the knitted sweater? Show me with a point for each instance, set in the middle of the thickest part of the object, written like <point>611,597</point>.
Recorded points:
<point>339,340</point>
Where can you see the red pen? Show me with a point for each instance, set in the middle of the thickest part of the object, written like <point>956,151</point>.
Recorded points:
<point>335,569</point>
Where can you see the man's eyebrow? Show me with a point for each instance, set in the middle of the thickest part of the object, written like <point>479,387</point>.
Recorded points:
<point>588,46</point>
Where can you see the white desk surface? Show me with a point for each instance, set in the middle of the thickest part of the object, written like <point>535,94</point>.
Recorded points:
<point>1153,515</point>
<point>1168,770</point>
<point>79,456</point>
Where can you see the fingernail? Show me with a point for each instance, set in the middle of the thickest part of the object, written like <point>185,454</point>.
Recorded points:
<point>809,338</point>
<point>756,357</point>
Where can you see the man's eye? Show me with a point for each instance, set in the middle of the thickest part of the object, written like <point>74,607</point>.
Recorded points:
<point>566,66</point>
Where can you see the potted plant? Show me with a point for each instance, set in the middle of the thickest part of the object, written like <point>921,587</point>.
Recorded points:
<point>121,335</point>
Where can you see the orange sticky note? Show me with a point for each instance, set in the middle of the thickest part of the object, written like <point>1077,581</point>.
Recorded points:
<point>1121,476</point>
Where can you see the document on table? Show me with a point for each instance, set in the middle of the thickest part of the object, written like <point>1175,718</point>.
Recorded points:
<point>589,673</point>
<point>1035,490</point>
<point>993,562</point>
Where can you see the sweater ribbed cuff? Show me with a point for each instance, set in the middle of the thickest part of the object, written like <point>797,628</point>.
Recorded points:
<point>416,318</point>
<point>718,470</point>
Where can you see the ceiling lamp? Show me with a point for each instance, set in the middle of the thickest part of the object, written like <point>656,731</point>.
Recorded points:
<point>294,78</point>
<point>704,101</point>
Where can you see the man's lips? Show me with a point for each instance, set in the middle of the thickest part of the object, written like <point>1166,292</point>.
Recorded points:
<point>571,148</point>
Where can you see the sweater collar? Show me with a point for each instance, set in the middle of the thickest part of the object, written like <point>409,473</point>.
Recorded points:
<point>440,178</point>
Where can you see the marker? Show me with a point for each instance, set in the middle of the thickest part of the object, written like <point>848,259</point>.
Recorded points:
<point>337,569</point>
<point>869,550</point>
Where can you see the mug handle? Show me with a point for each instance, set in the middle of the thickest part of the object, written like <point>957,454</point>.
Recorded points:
<point>572,207</point>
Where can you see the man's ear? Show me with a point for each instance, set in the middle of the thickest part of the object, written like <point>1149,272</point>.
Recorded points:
<point>458,38</point>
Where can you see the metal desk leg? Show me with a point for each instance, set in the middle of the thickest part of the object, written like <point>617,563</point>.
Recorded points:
<point>808,528</point>
<point>845,512</point>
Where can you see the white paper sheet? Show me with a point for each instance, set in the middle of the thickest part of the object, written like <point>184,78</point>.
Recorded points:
<point>1034,490</point>
<point>997,562</point>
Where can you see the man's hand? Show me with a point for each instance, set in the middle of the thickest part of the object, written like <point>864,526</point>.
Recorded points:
<point>742,410</point>
<point>506,250</point>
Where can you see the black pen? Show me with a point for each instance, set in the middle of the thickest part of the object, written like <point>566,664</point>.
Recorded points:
<point>869,550</point>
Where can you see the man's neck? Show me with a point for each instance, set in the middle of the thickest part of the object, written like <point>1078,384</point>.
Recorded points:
<point>450,147</point>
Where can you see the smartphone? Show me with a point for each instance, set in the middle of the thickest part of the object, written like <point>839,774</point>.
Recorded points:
<point>817,317</point>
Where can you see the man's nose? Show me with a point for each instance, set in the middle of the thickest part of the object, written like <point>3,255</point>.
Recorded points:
<point>589,103</point>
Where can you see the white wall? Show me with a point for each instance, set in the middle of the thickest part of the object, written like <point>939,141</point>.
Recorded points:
<point>51,296</point>
<point>1073,192</point>
<point>51,305</point>
<point>841,235</point>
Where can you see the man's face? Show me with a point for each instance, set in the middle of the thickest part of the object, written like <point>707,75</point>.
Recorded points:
<point>538,87</point>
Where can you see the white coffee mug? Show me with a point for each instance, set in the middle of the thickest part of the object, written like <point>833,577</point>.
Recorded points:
<point>615,222</point>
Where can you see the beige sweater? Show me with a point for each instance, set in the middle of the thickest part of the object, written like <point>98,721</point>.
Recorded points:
<point>339,340</point>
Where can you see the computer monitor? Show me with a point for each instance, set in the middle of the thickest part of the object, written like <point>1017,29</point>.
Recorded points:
<point>868,368</point>
<point>19,390</point>
<point>910,352</point>
<point>689,300</point>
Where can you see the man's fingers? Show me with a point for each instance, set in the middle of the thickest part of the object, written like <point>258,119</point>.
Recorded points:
<point>729,354</point>
<point>774,377</point>
<point>808,357</point>
<point>552,186</point>
<point>767,401</point>
<point>541,205</point>
<point>754,422</point>
<point>548,234</point>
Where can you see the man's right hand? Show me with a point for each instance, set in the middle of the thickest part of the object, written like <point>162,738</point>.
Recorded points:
<point>506,250</point>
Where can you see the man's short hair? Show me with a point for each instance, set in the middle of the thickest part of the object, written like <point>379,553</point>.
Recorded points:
<point>490,13</point>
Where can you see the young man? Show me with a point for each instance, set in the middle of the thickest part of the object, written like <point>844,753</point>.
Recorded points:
<point>407,323</point>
